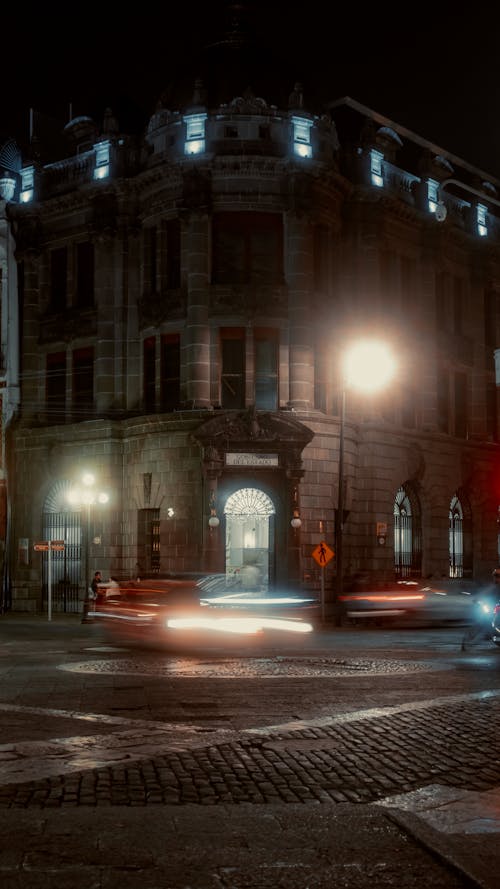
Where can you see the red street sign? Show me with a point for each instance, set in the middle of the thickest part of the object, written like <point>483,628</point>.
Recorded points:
<point>44,545</point>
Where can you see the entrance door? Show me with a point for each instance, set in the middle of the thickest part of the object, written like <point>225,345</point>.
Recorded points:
<point>249,540</point>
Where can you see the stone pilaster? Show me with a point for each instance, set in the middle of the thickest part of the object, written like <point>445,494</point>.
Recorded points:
<point>300,289</point>
<point>197,345</point>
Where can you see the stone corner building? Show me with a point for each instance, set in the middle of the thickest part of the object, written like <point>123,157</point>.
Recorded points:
<point>185,298</point>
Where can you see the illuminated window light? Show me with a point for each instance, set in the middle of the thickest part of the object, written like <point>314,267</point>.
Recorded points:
<point>376,158</point>
<point>102,150</point>
<point>481,220</point>
<point>195,133</point>
<point>197,146</point>
<point>302,136</point>
<point>432,194</point>
<point>27,184</point>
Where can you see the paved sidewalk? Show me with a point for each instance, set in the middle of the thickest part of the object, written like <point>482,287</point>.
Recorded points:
<point>238,847</point>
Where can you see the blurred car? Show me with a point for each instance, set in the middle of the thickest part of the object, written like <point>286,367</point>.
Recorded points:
<point>411,601</point>
<point>496,624</point>
<point>171,611</point>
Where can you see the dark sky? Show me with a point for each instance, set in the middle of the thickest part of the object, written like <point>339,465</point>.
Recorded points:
<point>433,67</point>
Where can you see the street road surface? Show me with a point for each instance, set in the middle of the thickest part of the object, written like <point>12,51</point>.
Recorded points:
<point>383,720</point>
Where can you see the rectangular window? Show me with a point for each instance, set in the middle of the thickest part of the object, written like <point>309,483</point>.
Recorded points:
<point>150,259</point>
<point>491,412</point>
<point>266,341</point>
<point>490,324</point>
<point>389,281</point>
<point>55,387</point>
<point>195,133</point>
<point>173,254</point>
<point>149,374</point>
<point>58,279</point>
<point>482,226</point>
<point>432,194</point>
<point>321,256</point>
<point>320,378</point>
<point>408,285</point>
<point>458,301</point>
<point>232,348</point>
<point>85,274</point>
<point>148,541</point>
<point>83,383</point>
<point>460,405</point>
<point>170,371</point>
<point>443,401</point>
<point>247,248</point>
<point>441,302</point>
<point>408,403</point>
<point>302,136</point>
<point>377,176</point>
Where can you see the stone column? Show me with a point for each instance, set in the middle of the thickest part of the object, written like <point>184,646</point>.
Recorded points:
<point>197,345</point>
<point>300,291</point>
<point>33,387</point>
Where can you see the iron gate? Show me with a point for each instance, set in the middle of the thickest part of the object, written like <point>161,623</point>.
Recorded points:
<point>67,587</point>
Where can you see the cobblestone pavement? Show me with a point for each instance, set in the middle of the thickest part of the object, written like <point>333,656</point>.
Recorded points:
<point>359,758</point>
<point>371,768</point>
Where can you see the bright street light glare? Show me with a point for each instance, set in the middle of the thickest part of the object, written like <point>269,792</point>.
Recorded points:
<point>103,497</point>
<point>88,479</point>
<point>368,366</point>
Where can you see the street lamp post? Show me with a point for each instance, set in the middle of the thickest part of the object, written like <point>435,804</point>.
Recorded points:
<point>367,365</point>
<point>339,515</point>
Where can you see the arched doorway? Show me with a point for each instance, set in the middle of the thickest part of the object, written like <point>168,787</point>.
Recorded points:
<point>61,522</point>
<point>249,544</point>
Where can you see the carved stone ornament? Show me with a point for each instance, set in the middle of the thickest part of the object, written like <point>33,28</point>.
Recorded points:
<point>253,431</point>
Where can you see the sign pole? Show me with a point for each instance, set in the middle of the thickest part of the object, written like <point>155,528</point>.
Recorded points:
<point>48,546</point>
<point>323,594</point>
<point>322,555</point>
<point>49,582</point>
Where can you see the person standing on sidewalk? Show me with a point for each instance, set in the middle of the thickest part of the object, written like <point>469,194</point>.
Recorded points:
<point>91,595</point>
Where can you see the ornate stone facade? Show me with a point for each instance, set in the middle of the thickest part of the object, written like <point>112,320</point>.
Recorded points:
<point>186,301</point>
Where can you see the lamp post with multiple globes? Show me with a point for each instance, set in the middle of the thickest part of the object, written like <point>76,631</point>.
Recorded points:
<point>85,495</point>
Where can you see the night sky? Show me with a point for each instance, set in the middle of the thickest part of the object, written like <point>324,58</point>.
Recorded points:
<point>434,70</point>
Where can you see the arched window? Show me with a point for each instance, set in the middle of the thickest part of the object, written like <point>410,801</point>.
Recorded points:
<point>407,532</point>
<point>460,536</point>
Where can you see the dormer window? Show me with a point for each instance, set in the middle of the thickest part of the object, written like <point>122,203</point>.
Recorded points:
<point>102,150</point>
<point>195,133</point>
<point>432,194</point>
<point>482,227</point>
<point>302,136</point>
<point>376,158</point>
<point>27,184</point>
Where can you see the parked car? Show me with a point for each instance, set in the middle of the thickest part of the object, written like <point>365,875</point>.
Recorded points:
<point>170,610</point>
<point>411,601</point>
